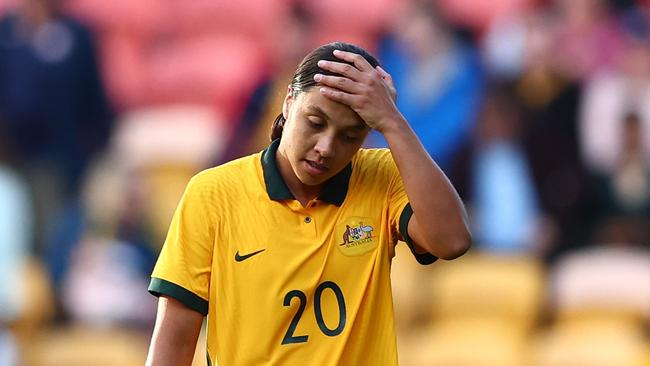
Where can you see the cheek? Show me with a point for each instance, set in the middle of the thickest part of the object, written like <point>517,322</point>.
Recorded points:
<point>302,137</point>
<point>297,143</point>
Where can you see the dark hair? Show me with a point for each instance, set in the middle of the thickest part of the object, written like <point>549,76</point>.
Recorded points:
<point>303,79</point>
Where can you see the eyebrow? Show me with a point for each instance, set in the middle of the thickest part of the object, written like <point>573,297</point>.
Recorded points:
<point>317,110</point>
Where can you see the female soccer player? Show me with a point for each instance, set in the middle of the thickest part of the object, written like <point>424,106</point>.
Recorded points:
<point>288,251</point>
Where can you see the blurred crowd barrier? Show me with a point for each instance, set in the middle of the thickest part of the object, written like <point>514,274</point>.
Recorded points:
<point>537,110</point>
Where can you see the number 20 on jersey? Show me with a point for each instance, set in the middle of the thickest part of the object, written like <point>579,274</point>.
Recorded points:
<point>289,336</point>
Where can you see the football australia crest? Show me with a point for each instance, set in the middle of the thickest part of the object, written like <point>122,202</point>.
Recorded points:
<point>357,235</point>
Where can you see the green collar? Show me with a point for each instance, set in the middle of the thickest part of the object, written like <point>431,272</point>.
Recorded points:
<point>334,191</point>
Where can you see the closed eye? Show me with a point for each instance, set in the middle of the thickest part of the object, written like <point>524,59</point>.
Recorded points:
<point>351,139</point>
<point>315,123</point>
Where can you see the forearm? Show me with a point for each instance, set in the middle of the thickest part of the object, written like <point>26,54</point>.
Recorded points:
<point>439,223</point>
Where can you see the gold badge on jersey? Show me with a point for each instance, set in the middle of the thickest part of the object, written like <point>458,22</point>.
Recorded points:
<point>356,236</point>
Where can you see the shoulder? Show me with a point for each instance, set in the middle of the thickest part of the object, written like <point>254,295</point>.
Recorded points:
<point>227,178</point>
<point>376,165</point>
<point>373,160</point>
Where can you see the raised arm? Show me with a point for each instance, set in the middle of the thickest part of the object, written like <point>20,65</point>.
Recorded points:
<point>175,334</point>
<point>439,222</point>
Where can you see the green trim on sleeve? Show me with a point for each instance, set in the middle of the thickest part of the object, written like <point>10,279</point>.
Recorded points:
<point>422,258</point>
<point>159,287</point>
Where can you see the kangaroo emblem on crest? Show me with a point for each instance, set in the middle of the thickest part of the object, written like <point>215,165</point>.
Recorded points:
<point>346,235</point>
<point>356,234</point>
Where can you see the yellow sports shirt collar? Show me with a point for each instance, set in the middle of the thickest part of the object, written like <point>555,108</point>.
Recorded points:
<point>334,191</point>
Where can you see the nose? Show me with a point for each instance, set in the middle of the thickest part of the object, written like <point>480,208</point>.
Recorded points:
<point>325,146</point>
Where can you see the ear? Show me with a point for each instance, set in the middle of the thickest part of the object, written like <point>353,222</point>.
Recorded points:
<point>288,99</point>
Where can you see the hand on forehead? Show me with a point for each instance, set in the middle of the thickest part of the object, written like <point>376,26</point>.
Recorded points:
<point>368,90</point>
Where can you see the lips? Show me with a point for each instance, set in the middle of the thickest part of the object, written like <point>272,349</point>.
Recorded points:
<point>314,168</point>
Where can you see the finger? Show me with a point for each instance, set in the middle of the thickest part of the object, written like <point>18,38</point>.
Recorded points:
<point>385,75</point>
<point>338,82</point>
<point>359,61</point>
<point>388,80</point>
<point>344,69</point>
<point>338,95</point>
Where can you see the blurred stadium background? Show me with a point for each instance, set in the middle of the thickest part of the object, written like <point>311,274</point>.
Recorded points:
<point>538,110</point>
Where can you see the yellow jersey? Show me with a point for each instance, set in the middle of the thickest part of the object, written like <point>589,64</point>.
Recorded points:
<point>283,284</point>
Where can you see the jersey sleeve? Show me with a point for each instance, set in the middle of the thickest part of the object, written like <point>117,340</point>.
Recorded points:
<point>184,266</point>
<point>400,211</point>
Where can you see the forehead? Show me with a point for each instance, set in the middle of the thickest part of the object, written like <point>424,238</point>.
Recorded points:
<point>312,102</point>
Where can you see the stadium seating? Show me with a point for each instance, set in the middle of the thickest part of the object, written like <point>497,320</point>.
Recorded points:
<point>501,289</point>
<point>250,18</point>
<point>185,134</point>
<point>81,346</point>
<point>590,344</point>
<point>483,308</point>
<point>209,52</point>
<point>125,69</point>
<point>601,300</point>
<point>219,71</point>
<point>466,343</point>
<point>367,16</point>
<point>140,17</point>
<point>410,302</point>
<point>602,282</point>
<point>38,306</point>
<point>6,5</point>
<point>358,22</point>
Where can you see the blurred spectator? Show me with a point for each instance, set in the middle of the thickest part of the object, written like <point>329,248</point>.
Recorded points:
<point>8,349</point>
<point>103,235</point>
<point>608,97</point>
<point>549,100</point>
<point>627,189</point>
<point>438,78</point>
<point>503,47</point>
<point>587,37</point>
<point>106,284</point>
<point>52,103</point>
<point>624,194</point>
<point>15,227</point>
<point>478,15</point>
<point>494,177</point>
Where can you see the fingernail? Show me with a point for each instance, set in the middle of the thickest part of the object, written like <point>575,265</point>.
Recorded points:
<point>323,90</point>
<point>318,77</point>
<point>322,63</point>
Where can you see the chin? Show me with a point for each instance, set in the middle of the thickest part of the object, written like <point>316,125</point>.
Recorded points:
<point>309,180</point>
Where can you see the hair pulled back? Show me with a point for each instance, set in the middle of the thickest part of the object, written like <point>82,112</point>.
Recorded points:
<point>303,79</point>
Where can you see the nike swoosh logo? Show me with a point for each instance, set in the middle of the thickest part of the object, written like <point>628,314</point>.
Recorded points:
<point>240,258</point>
